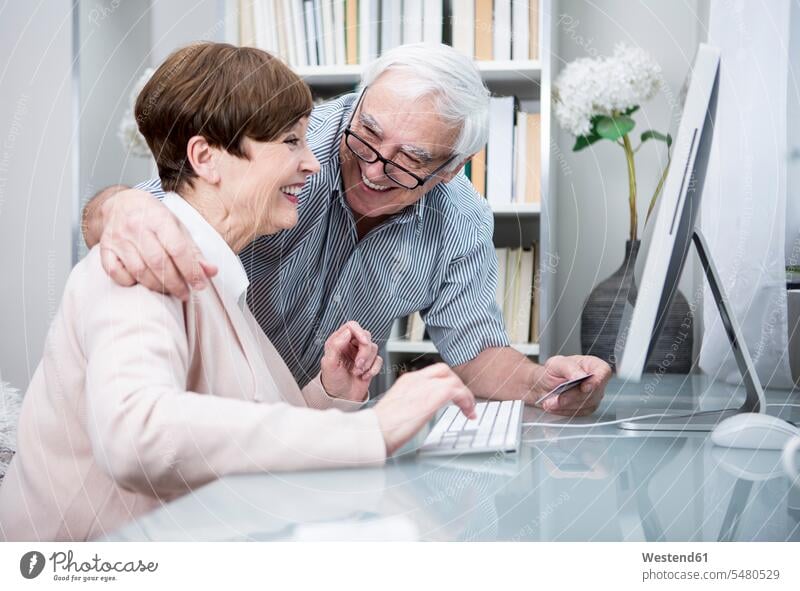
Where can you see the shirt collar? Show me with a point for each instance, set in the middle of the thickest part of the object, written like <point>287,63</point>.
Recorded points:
<point>412,212</point>
<point>231,278</point>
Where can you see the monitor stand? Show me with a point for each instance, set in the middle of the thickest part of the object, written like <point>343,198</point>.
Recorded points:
<point>707,420</point>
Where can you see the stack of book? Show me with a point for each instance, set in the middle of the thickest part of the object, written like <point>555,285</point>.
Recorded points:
<point>517,296</point>
<point>496,29</point>
<point>517,292</point>
<point>337,32</point>
<point>348,32</point>
<point>508,169</point>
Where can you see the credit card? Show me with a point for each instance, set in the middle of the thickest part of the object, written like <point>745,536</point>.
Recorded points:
<point>563,387</point>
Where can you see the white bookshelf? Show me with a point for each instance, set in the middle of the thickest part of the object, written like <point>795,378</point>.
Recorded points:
<point>517,209</point>
<point>515,223</point>
<point>513,73</point>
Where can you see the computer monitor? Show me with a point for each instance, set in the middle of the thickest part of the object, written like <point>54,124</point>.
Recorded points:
<point>667,238</point>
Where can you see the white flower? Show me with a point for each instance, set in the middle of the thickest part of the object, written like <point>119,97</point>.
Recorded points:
<point>128,132</point>
<point>601,86</point>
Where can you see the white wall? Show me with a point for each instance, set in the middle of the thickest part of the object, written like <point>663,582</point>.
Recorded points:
<point>118,41</point>
<point>37,191</point>
<point>178,22</point>
<point>114,51</point>
<point>592,185</point>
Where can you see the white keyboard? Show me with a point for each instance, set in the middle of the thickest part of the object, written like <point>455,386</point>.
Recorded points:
<point>498,427</point>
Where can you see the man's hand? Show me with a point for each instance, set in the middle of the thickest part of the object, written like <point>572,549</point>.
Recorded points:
<point>414,399</point>
<point>142,242</point>
<point>581,400</point>
<point>350,362</point>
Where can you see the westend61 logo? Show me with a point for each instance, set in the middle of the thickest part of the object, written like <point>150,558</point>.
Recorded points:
<point>65,568</point>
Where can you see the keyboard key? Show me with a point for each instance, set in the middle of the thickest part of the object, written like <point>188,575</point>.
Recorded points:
<point>497,428</point>
<point>442,424</point>
<point>498,437</point>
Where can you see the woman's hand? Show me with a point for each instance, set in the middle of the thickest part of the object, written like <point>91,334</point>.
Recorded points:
<point>413,400</point>
<point>350,362</point>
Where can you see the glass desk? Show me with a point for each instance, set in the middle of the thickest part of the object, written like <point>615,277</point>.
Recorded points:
<point>603,484</point>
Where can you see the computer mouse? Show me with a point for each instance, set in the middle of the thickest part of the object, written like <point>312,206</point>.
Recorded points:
<point>753,431</point>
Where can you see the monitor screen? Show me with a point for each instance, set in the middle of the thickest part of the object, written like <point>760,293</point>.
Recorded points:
<point>668,233</point>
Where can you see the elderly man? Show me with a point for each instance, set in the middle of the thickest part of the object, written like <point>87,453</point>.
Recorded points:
<point>386,228</point>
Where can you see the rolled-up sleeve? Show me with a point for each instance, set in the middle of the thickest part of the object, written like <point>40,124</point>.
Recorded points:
<point>464,318</point>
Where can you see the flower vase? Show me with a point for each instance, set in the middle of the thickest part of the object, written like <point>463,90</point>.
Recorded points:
<point>602,316</point>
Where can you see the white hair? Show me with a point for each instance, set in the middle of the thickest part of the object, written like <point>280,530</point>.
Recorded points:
<point>451,78</point>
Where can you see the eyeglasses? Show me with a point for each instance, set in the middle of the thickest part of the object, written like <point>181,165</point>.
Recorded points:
<point>366,153</point>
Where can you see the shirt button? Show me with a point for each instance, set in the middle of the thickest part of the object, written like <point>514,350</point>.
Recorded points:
<point>318,341</point>
<point>337,298</point>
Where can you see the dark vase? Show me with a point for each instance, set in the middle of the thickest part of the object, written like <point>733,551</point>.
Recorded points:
<point>602,316</point>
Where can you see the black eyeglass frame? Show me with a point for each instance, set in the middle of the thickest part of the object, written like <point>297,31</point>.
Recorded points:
<point>379,158</point>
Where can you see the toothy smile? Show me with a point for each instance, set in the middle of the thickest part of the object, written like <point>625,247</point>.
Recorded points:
<point>371,185</point>
<point>292,189</point>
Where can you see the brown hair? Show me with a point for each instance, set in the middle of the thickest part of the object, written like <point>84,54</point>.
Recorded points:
<point>221,92</point>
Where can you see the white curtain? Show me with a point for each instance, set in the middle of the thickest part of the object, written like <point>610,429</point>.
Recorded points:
<point>744,206</point>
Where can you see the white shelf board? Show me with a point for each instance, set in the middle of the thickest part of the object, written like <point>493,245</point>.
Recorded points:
<point>514,72</point>
<point>514,209</point>
<point>422,347</point>
<point>519,71</point>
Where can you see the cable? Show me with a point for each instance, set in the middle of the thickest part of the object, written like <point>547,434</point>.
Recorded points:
<point>626,420</point>
<point>642,417</point>
<point>563,437</point>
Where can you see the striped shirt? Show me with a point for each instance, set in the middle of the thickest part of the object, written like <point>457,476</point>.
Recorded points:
<point>435,256</point>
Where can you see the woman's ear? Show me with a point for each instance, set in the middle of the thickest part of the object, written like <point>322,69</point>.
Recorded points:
<point>203,159</point>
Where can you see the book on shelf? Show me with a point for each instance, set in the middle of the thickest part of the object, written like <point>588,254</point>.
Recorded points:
<point>500,150</point>
<point>508,169</point>
<point>433,21</point>
<point>520,32</point>
<point>368,30</point>
<point>349,32</point>
<point>462,19</point>
<point>537,297</point>
<point>391,24</point>
<point>247,33</point>
<point>310,33</point>
<point>299,32</point>
<point>415,328</point>
<point>282,28</point>
<point>478,172</point>
<point>328,33</point>
<point>501,32</point>
<point>319,33</point>
<point>483,30</point>
<point>516,293</point>
<point>500,290</point>
<point>340,37</point>
<point>528,158</point>
<point>412,21</point>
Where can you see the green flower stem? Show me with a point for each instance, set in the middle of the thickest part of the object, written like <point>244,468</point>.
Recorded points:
<point>626,145</point>
<point>657,191</point>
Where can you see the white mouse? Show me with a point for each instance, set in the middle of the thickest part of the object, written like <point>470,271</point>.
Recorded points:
<point>753,431</point>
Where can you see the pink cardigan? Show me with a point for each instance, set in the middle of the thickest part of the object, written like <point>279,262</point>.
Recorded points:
<point>140,398</point>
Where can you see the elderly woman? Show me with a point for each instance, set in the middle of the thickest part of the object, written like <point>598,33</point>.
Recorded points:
<point>140,396</point>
